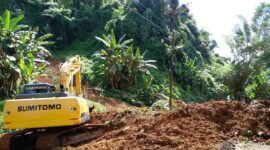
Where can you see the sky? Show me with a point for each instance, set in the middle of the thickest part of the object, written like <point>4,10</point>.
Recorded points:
<point>219,17</point>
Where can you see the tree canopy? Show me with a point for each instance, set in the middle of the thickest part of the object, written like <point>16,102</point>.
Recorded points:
<point>84,27</point>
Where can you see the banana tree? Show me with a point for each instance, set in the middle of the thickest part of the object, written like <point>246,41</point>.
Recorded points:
<point>10,25</point>
<point>121,62</point>
<point>21,52</point>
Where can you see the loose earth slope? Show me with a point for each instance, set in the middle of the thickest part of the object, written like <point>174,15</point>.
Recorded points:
<point>198,126</point>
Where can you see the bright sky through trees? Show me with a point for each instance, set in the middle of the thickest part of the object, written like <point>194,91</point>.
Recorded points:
<point>220,16</point>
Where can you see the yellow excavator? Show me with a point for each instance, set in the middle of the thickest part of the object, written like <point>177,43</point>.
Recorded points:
<point>46,116</point>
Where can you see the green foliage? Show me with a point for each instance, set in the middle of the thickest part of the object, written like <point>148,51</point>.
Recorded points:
<point>198,74</point>
<point>1,123</point>
<point>259,86</point>
<point>2,105</point>
<point>160,105</point>
<point>87,70</point>
<point>126,18</point>
<point>98,107</point>
<point>22,53</point>
<point>193,78</point>
<point>187,73</point>
<point>260,20</point>
<point>153,88</point>
<point>120,61</point>
<point>250,44</point>
<point>1,116</point>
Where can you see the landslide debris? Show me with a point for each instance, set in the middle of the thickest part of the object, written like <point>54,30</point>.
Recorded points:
<point>199,126</point>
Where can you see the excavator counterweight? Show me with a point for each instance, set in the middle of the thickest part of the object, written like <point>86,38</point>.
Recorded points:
<point>45,112</point>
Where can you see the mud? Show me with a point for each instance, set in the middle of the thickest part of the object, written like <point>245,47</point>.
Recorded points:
<point>200,126</point>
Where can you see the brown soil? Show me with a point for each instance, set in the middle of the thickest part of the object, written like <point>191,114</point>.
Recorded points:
<point>52,71</point>
<point>199,126</point>
<point>195,126</point>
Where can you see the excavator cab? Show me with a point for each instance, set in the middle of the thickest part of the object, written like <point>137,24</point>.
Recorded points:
<point>40,90</point>
<point>37,88</point>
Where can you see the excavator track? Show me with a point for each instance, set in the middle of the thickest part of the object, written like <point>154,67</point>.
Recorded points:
<point>17,140</point>
<point>50,138</point>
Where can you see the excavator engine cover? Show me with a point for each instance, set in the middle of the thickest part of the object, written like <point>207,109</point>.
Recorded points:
<point>45,112</point>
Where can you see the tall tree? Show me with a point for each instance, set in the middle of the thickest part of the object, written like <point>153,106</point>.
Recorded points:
<point>250,46</point>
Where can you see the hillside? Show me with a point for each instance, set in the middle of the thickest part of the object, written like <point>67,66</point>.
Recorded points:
<point>75,25</point>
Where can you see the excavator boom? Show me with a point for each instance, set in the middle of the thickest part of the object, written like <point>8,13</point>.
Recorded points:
<point>70,76</point>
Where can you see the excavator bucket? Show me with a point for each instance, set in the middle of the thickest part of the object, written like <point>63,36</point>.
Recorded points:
<point>45,112</point>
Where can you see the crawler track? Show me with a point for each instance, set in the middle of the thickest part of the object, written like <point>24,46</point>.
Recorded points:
<point>50,138</point>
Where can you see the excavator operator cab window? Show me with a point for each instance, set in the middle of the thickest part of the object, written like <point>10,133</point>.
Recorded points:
<point>62,88</point>
<point>52,88</point>
<point>38,88</point>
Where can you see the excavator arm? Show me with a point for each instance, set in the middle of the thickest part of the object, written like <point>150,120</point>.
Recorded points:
<point>70,76</point>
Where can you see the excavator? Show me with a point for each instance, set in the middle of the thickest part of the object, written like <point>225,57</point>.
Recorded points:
<point>45,116</point>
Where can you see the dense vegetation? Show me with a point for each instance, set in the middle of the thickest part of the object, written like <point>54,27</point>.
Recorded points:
<point>138,69</point>
<point>21,52</point>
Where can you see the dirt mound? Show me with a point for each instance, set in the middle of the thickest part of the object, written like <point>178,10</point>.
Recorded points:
<point>199,126</point>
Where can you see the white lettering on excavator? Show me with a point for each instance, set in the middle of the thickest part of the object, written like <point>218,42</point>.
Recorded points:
<point>39,107</point>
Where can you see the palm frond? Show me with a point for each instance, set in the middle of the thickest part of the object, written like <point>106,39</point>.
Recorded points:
<point>15,21</point>
<point>44,37</point>
<point>103,41</point>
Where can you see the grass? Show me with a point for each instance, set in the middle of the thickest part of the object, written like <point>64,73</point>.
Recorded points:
<point>98,107</point>
<point>160,104</point>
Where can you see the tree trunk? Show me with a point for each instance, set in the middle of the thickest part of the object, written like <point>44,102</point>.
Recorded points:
<point>171,70</point>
